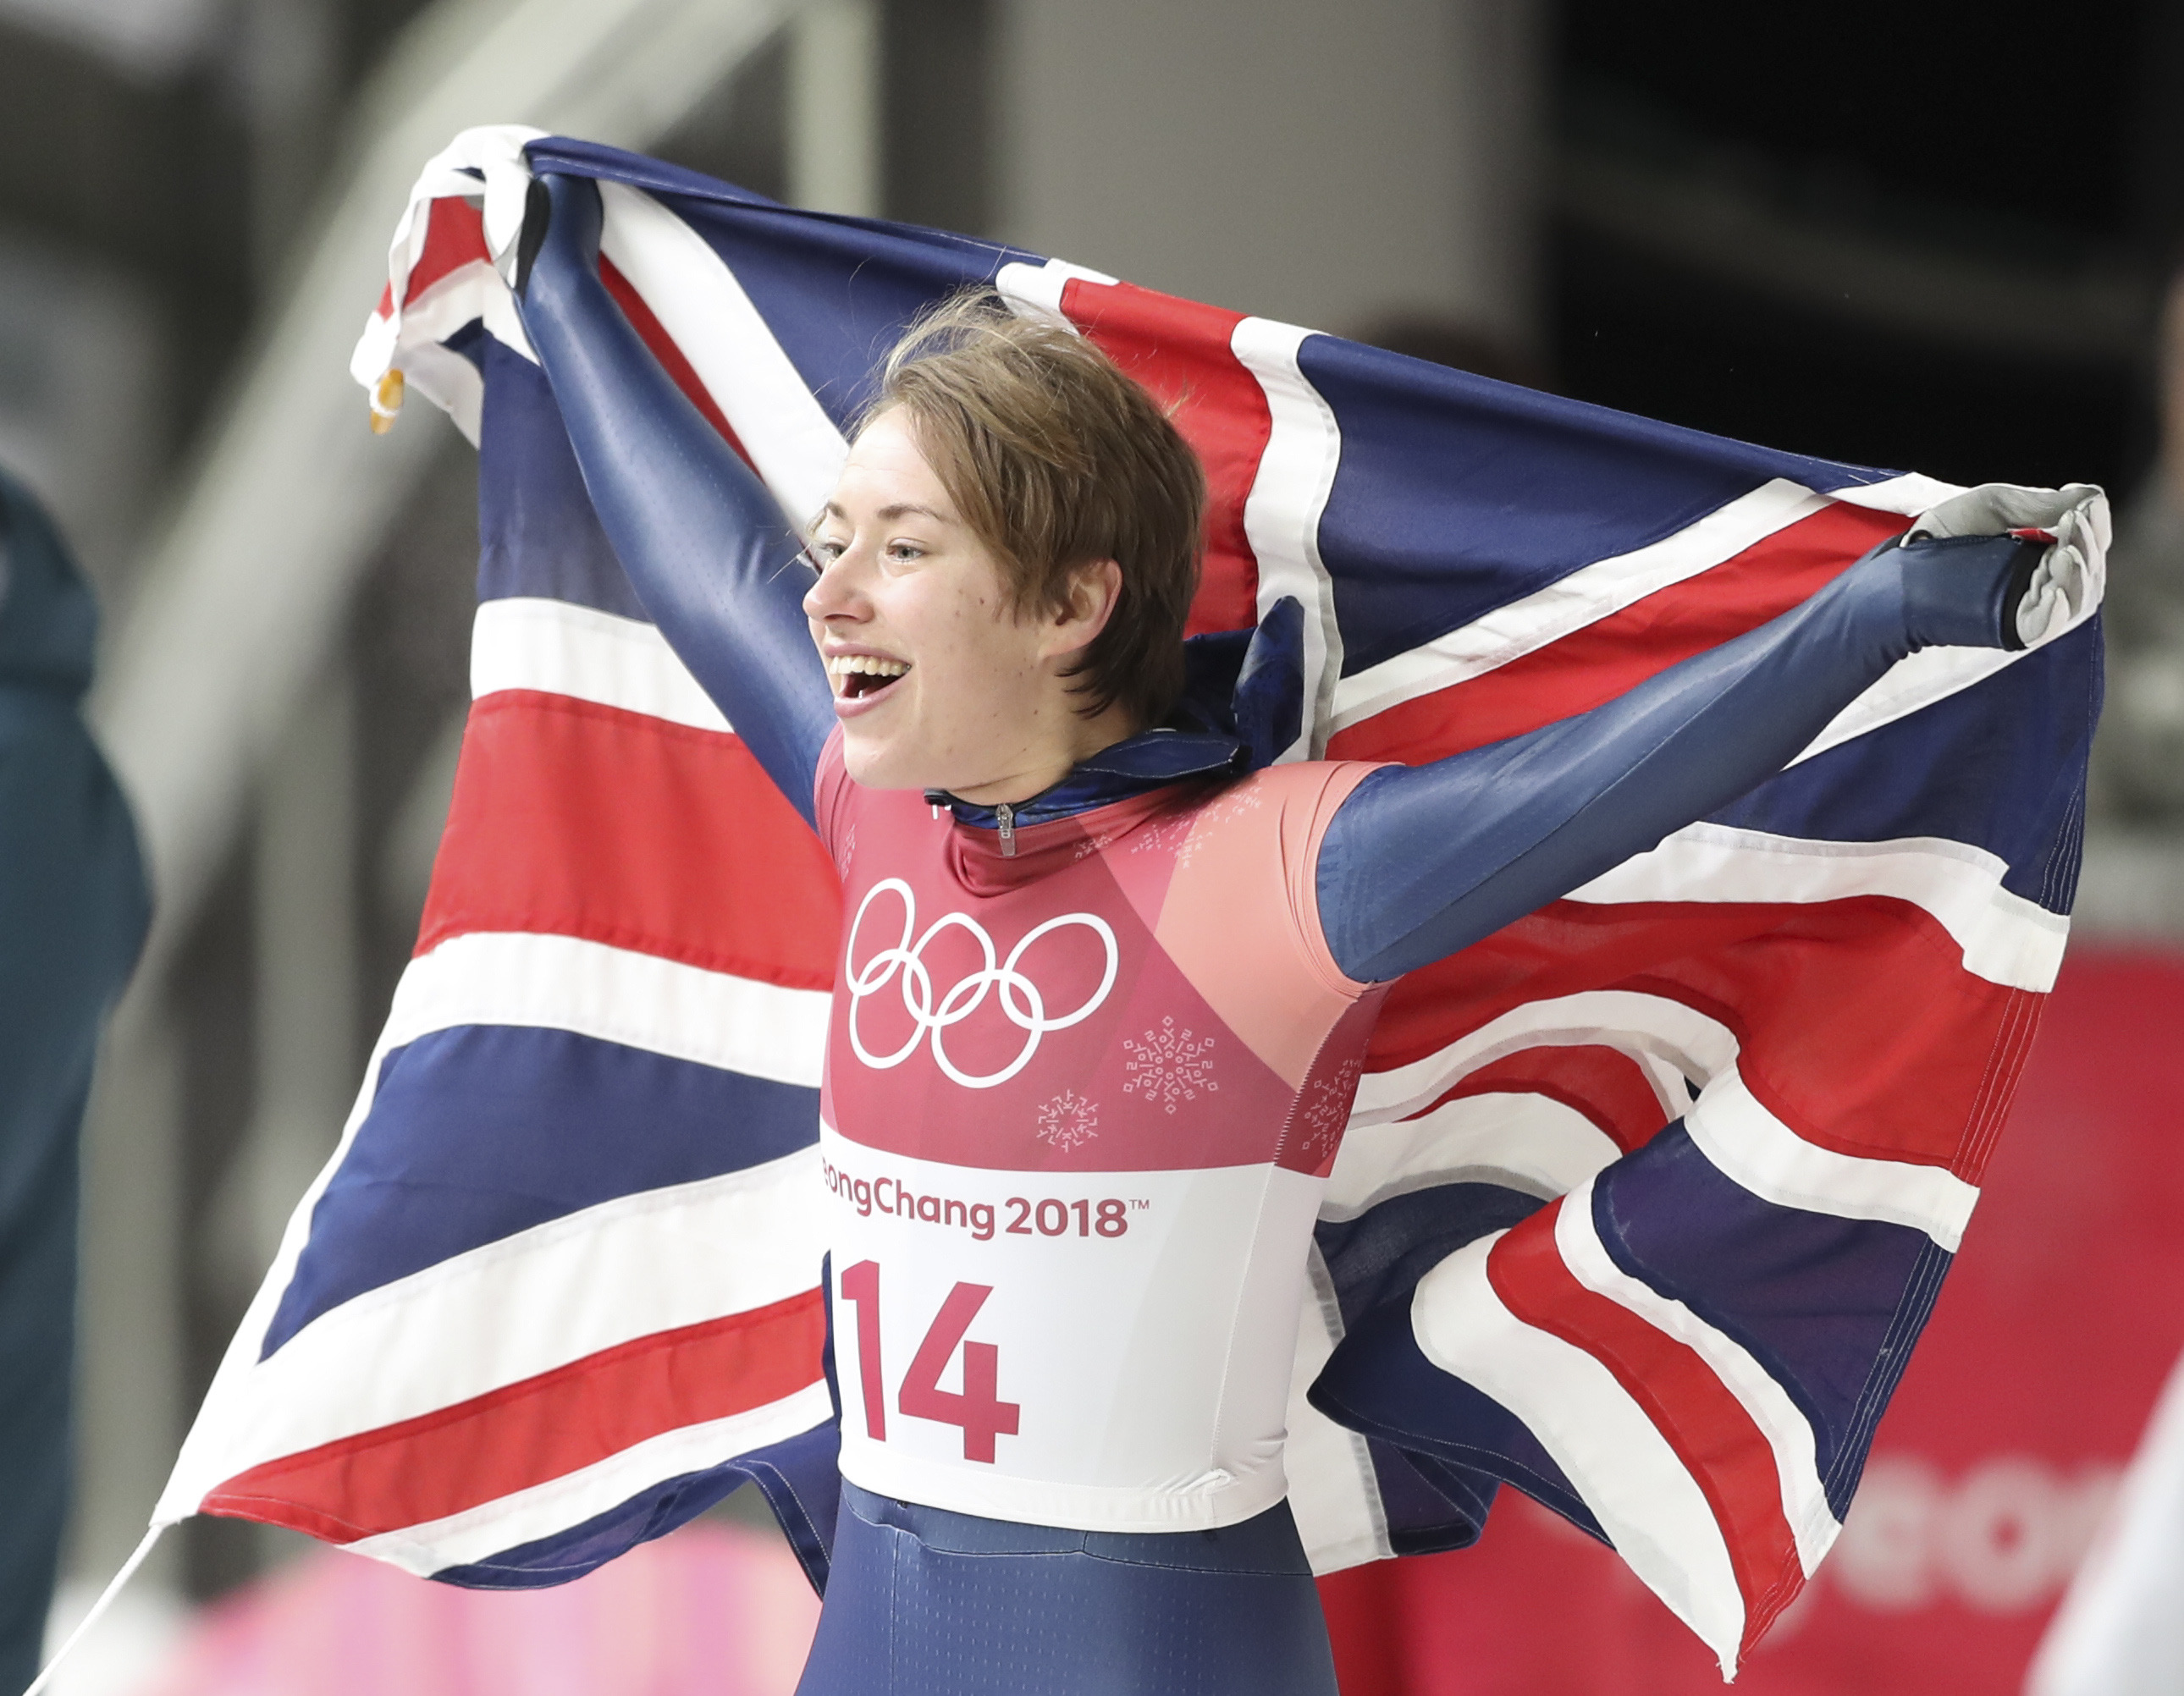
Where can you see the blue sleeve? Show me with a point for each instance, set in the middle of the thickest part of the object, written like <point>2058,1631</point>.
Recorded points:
<point>708,551</point>
<point>1421,861</point>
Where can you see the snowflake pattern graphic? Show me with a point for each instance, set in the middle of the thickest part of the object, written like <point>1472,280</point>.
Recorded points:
<point>1157,838</point>
<point>1092,845</point>
<point>1242,799</point>
<point>1189,832</point>
<point>1324,1111</point>
<point>1168,1067</point>
<point>1068,1120</point>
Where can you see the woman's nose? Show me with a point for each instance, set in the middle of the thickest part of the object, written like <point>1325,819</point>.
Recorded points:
<point>832,593</point>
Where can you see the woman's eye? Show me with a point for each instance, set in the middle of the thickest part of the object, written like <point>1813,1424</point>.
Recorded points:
<point>905,550</point>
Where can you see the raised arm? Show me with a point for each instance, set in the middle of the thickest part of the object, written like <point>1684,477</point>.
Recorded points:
<point>705,545</point>
<point>1424,860</point>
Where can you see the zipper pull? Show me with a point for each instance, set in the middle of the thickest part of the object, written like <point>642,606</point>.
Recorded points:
<point>1007,815</point>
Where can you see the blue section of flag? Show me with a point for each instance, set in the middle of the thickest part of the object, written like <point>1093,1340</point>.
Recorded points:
<point>1456,495</point>
<point>1436,1482</point>
<point>836,292</point>
<point>538,535</point>
<point>796,1474</point>
<point>1386,1250</point>
<point>837,295</point>
<point>482,1130</point>
<point>1812,1296</point>
<point>1429,1506</point>
<point>1442,1421</point>
<point>2000,766</point>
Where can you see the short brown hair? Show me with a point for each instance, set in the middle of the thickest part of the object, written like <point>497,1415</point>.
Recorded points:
<point>1054,459</point>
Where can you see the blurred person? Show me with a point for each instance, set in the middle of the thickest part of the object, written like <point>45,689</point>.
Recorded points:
<point>973,699</point>
<point>2138,754</point>
<point>73,909</point>
<point>2119,1632</point>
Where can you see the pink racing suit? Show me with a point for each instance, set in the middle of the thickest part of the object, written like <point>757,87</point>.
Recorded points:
<point>1080,1102</point>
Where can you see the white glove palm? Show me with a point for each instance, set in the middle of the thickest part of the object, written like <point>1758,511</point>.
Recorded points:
<point>2068,582</point>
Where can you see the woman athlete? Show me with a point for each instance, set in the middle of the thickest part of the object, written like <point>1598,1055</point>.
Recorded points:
<point>1105,991</point>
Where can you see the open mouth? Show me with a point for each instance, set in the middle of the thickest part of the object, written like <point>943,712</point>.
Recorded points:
<point>863,676</point>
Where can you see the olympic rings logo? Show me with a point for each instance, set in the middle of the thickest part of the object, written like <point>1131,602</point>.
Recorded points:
<point>1019,997</point>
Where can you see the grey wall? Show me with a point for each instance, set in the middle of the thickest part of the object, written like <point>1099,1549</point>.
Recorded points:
<point>1333,164</point>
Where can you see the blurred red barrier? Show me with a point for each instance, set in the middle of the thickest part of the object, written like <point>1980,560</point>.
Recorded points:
<point>2046,1349</point>
<point>712,1611</point>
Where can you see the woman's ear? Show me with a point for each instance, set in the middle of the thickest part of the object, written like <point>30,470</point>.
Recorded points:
<point>1094,593</point>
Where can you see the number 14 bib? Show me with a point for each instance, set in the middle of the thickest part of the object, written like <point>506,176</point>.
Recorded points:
<point>1080,1102</point>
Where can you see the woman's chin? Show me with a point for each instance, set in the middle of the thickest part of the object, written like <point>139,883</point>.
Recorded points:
<point>876,763</point>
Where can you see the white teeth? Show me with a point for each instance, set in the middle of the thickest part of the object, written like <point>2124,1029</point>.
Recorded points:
<point>870,665</point>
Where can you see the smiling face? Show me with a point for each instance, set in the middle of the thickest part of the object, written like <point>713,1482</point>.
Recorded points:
<point>940,682</point>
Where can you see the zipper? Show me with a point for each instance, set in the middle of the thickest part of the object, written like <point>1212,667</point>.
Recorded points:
<point>1007,815</point>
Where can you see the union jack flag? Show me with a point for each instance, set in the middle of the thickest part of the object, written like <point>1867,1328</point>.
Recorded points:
<point>1688,1153</point>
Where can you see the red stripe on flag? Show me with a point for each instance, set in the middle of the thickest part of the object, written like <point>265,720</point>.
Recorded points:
<point>1715,1438</point>
<point>1614,654</point>
<point>584,820</point>
<point>1859,1026</point>
<point>532,1432</point>
<point>665,348</point>
<point>1180,351</point>
<point>455,236</point>
<point>1605,1085</point>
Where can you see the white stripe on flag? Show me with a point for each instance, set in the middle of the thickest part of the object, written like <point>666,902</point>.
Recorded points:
<point>1789,1434</point>
<point>1522,1141</point>
<point>1593,592</point>
<point>529,1304</point>
<point>1756,1150</point>
<point>510,1521</point>
<point>1282,512</point>
<point>1333,1492</point>
<point>564,649</point>
<point>796,446</point>
<point>470,292</point>
<point>1036,290</point>
<point>1931,674</point>
<point>1907,493</point>
<point>1671,1041</point>
<point>494,151</point>
<point>1652,1508</point>
<point>518,977</point>
<point>2005,938</point>
<point>558,983</point>
<point>1747,1144</point>
<point>1584,597</point>
<point>441,375</point>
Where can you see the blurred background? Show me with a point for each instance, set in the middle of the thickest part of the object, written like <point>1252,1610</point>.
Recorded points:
<point>1917,235</point>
